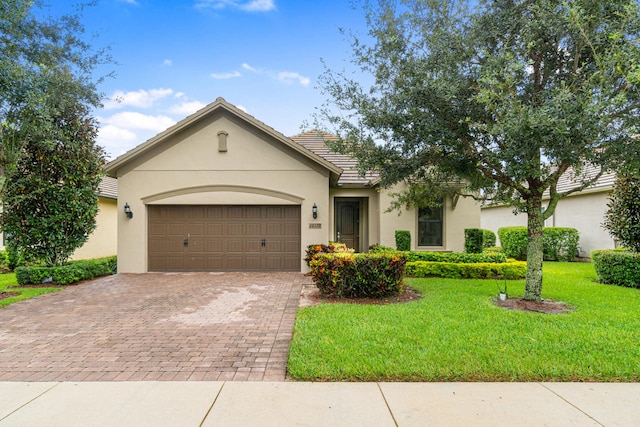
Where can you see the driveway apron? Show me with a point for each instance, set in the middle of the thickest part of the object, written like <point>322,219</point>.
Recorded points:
<point>155,326</point>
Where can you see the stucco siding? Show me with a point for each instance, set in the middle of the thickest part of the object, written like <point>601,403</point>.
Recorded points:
<point>189,169</point>
<point>584,212</point>
<point>104,239</point>
<point>465,214</point>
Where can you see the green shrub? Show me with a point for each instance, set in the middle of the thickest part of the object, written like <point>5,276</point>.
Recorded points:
<point>617,267</point>
<point>456,257</point>
<point>488,238</point>
<point>71,272</point>
<point>492,250</point>
<point>349,275</point>
<point>473,240</point>
<point>321,248</point>
<point>622,218</point>
<point>403,240</point>
<point>513,241</point>
<point>379,248</point>
<point>478,270</point>
<point>560,243</point>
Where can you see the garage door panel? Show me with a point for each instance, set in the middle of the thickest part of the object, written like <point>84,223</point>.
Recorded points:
<point>235,229</point>
<point>224,238</point>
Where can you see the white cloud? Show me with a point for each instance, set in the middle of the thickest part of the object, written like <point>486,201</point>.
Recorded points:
<point>141,98</point>
<point>224,76</point>
<point>290,77</point>
<point>249,67</point>
<point>167,62</point>
<point>243,108</point>
<point>130,2</point>
<point>187,108</point>
<point>133,120</point>
<point>244,5</point>
<point>116,140</point>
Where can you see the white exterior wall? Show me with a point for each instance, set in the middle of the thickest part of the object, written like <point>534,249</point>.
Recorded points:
<point>584,212</point>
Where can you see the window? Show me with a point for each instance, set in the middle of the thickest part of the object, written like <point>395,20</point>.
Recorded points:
<point>430,226</point>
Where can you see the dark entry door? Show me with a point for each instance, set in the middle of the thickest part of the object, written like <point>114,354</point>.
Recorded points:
<point>348,223</point>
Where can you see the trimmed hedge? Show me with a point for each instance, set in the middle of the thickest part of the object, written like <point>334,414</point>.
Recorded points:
<point>321,248</point>
<point>403,240</point>
<point>456,257</point>
<point>72,272</point>
<point>462,270</point>
<point>558,243</point>
<point>373,275</point>
<point>513,241</point>
<point>488,238</point>
<point>473,240</point>
<point>617,267</point>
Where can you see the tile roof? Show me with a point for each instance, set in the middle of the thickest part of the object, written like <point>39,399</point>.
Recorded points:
<point>569,180</point>
<point>108,188</point>
<point>314,140</point>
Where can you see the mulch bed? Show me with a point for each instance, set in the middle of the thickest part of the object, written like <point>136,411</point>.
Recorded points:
<point>546,306</point>
<point>5,295</point>
<point>313,297</point>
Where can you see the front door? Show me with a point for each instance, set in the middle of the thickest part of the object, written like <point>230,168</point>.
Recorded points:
<point>348,223</point>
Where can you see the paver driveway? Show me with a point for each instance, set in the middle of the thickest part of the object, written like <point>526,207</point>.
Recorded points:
<point>191,326</point>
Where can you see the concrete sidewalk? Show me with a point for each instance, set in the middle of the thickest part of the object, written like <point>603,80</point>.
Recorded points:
<point>318,404</point>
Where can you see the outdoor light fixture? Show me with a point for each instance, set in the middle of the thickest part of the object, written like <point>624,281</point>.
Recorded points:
<point>127,211</point>
<point>314,209</point>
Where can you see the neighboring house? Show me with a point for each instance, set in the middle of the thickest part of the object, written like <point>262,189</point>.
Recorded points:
<point>103,241</point>
<point>222,191</point>
<point>583,211</point>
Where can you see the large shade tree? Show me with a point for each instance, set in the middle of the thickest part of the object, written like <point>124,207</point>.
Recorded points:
<point>49,161</point>
<point>504,96</point>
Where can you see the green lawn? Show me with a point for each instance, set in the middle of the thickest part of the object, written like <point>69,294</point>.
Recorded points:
<point>456,333</point>
<point>8,283</point>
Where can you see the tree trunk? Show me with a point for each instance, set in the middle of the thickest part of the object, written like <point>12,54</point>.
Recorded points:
<point>535,221</point>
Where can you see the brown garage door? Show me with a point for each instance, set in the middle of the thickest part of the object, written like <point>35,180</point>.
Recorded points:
<point>224,238</point>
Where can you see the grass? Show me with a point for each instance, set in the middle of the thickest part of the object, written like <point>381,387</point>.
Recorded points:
<point>456,333</point>
<point>8,283</point>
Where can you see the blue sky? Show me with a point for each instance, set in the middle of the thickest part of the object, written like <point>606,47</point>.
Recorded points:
<point>174,57</point>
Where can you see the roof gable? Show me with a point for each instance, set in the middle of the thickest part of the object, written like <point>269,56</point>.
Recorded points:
<point>218,105</point>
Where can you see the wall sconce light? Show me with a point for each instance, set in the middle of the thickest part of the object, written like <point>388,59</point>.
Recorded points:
<point>127,211</point>
<point>314,209</point>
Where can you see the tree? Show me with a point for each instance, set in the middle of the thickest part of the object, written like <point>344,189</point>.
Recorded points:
<point>50,194</point>
<point>47,136</point>
<point>500,98</point>
<point>31,50</point>
<point>622,219</point>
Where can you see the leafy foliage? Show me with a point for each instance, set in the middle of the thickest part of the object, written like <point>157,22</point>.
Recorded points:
<point>496,99</point>
<point>559,243</point>
<point>513,241</point>
<point>462,270</point>
<point>473,238</point>
<point>50,196</point>
<point>349,275</point>
<point>622,218</point>
<point>488,238</point>
<point>403,240</point>
<point>34,51</point>
<point>456,257</point>
<point>320,248</point>
<point>70,273</point>
<point>617,267</point>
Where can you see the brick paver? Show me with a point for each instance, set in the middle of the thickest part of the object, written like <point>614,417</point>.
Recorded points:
<point>137,327</point>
